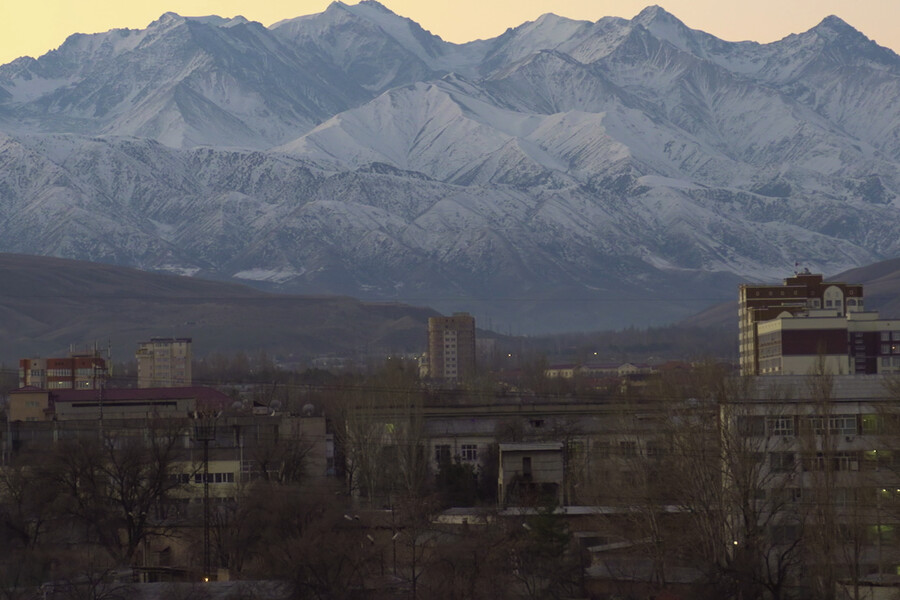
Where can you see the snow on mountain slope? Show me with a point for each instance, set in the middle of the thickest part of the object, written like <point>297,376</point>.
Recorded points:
<point>354,152</point>
<point>375,47</point>
<point>182,81</point>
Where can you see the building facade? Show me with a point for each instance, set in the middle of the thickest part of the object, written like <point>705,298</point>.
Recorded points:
<point>75,372</point>
<point>451,347</point>
<point>786,329</point>
<point>164,362</point>
<point>826,454</point>
<point>33,404</point>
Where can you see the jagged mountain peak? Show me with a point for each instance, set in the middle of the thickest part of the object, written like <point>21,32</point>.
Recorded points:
<point>168,18</point>
<point>833,25</point>
<point>845,45</point>
<point>377,5</point>
<point>548,27</point>
<point>665,26</point>
<point>654,13</point>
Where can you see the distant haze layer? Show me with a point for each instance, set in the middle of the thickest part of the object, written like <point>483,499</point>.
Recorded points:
<point>34,28</point>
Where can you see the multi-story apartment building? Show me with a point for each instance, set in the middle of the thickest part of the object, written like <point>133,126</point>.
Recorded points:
<point>164,362</point>
<point>451,347</point>
<point>809,324</point>
<point>825,451</point>
<point>75,372</point>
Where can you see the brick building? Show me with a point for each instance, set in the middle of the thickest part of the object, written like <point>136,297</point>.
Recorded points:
<point>786,329</point>
<point>74,372</point>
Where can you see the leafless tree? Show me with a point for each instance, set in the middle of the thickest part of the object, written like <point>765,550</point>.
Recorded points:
<point>117,487</point>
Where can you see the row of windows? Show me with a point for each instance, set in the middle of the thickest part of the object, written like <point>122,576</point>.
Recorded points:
<point>185,478</point>
<point>468,453</point>
<point>838,496</point>
<point>819,461</point>
<point>790,425</point>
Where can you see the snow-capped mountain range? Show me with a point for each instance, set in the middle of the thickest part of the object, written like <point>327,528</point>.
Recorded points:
<point>564,175</point>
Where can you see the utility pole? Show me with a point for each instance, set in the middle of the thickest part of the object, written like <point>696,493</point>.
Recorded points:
<point>205,432</point>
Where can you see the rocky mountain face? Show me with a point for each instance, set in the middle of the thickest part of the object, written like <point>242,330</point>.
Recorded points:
<point>564,175</point>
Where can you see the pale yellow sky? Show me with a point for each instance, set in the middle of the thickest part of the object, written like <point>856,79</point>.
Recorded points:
<point>34,27</point>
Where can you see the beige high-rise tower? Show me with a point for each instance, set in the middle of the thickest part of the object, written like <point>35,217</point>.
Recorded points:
<point>451,347</point>
<point>164,362</point>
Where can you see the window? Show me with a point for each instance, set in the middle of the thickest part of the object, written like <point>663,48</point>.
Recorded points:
<point>872,424</point>
<point>751,426</point>
<point>878,459</point>
<point>781,462</point>
<point>601,449</point>
<point>442,454</point>
<point>814,462</point>
<point>781,426</point>
<point>845,461</point>
<point>469,452</point>
<point>843,425</point>
<point>880,533</point>
<point>628,448</point>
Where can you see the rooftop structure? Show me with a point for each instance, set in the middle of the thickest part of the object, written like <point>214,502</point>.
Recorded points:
<point>33,404</point>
